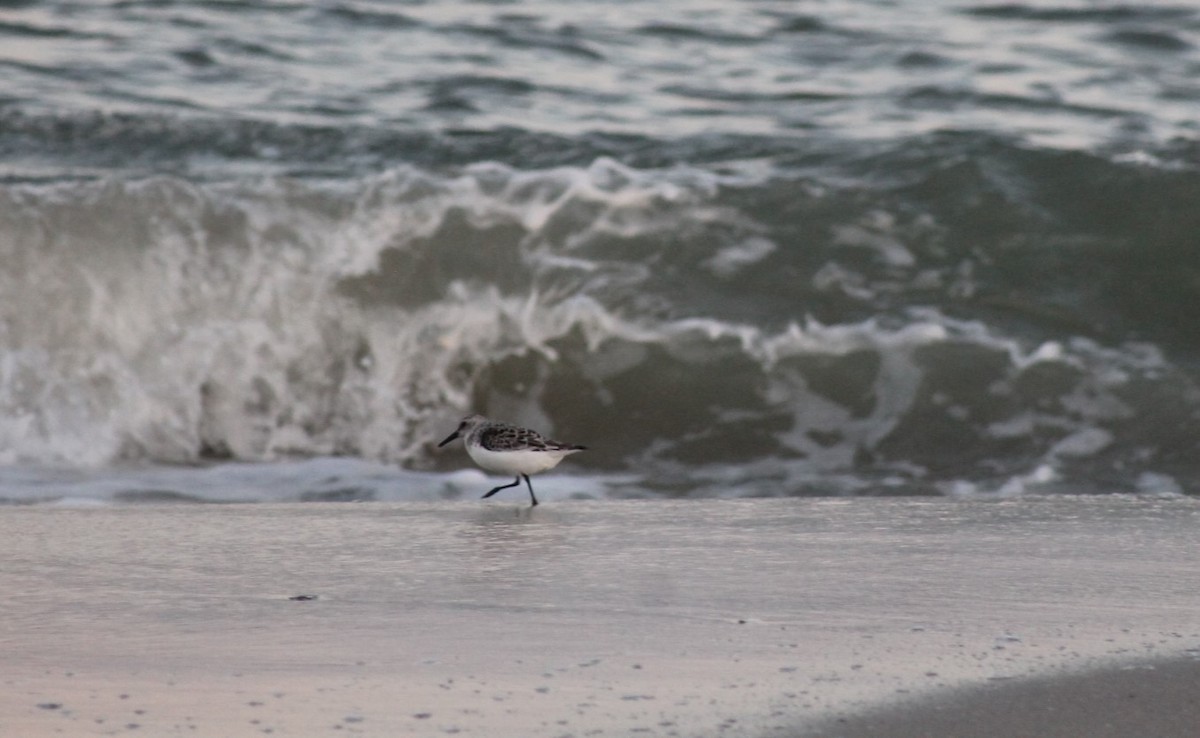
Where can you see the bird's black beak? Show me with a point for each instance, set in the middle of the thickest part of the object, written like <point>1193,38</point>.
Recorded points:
<point>449,438</point>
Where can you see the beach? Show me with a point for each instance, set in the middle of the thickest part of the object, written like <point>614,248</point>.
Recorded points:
<point>877,322</point>
<point>766,617</point>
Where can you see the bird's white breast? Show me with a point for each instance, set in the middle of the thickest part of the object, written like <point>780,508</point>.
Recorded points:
<point>520,461</point>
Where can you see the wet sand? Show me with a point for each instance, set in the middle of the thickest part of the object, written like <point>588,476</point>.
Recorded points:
<point>1159,699</point>
<point>743,618</point>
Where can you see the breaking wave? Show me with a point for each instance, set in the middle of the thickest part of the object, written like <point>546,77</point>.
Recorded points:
<point>957,326</point>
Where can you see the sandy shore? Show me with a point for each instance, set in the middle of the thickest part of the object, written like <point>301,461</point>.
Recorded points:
<point>701,618</point>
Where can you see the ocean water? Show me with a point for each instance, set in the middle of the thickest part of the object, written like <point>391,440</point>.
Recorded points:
<point>264,250</point>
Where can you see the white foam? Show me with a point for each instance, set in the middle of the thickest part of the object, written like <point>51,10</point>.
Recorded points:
<point>1084,442</point>
<point>876,232</point>
<point>1154,483</point>
<point>731,260</point>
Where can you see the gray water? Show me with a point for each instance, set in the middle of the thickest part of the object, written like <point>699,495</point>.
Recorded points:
<point>760,248</point>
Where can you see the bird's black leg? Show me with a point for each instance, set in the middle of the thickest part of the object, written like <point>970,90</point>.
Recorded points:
<point>530,486</point>
<point>505,486</point>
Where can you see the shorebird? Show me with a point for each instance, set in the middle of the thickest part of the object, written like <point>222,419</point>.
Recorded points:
<point>509,449</point>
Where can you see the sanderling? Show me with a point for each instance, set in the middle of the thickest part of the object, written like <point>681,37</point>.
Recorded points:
<point>507,449</point>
